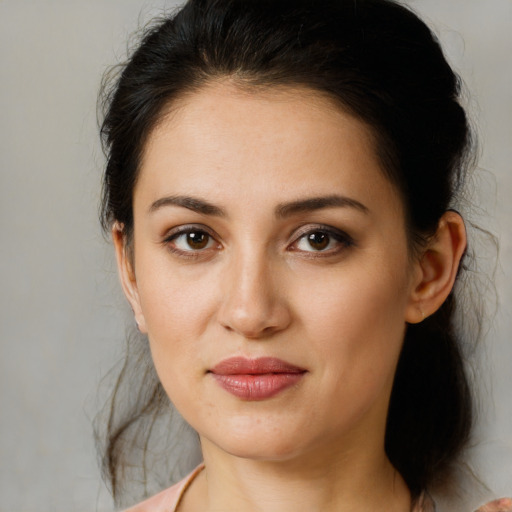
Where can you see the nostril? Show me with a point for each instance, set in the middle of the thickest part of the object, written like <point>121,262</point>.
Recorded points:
<point>256,330</point>
<point>252,305</point>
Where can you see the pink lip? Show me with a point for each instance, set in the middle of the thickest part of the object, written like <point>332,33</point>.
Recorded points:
<point>256,379</point>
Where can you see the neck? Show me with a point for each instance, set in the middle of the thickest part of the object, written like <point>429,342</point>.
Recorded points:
<point>338,480</point>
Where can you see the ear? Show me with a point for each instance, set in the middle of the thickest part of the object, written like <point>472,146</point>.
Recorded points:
<point>437,268</point>
<point>127,274</point>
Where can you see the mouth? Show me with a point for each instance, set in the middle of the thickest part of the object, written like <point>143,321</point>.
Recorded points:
<point>256,379</point>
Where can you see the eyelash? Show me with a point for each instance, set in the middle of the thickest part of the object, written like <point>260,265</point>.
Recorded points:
<point>342,239</point>
<point>181,231</point>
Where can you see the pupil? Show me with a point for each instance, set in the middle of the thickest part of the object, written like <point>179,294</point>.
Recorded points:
<point>197,240</point>
<point>318,241</point>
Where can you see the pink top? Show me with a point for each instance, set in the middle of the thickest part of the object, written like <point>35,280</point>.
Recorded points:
<point>168,500</point>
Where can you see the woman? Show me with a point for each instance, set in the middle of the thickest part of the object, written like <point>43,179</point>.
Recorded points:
<point>280,187</point>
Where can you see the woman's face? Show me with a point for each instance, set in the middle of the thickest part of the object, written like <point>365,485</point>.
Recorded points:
<point>265,228</point>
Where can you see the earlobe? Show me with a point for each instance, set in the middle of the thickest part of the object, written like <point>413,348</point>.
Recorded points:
<point>127,274</point>
<point>437,268</point>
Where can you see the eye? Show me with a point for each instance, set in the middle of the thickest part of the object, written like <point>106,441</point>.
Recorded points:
<point>190,240</point>
<point>318,241</point>
<point>193,241</point>
<point>324,240</point>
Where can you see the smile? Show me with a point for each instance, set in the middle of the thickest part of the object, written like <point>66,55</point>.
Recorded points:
<point>256,379</point>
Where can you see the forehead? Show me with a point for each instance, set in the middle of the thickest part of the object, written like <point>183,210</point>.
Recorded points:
<point>224,142</point>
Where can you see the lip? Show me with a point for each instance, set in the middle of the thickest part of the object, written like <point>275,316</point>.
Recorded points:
<point>256,379</point>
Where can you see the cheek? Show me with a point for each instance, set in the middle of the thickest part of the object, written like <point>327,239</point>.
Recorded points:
<point>173,298</point>
<point>176,316</point>
<point>177,306</point>
<point>357,323</point>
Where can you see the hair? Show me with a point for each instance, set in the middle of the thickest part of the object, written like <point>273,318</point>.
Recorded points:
<point>381,64</point>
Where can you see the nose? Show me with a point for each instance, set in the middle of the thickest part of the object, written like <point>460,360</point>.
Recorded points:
<point>253,304</point>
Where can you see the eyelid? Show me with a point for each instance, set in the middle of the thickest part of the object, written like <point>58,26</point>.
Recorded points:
<point>341,236</point>
<point>186,228</point>
<point>178,231</point>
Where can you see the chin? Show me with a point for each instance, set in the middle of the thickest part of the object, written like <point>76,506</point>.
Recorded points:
<point>260,441</point>
<point>265,450</point>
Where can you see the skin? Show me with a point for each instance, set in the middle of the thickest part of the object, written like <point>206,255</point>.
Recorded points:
<point>259,288</point>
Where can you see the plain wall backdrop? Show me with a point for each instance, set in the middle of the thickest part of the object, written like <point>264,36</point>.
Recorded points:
<point>62,319</point>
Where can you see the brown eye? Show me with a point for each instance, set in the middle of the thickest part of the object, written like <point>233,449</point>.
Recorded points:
<point>327,241</point>
<point>197,240</point>
<point>191,241</point>
<point>318,240</point>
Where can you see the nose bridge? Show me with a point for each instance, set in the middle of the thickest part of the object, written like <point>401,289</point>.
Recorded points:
<point>252,303</point>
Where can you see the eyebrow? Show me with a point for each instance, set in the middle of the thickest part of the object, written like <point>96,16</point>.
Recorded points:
<point>191,203</point>
<point>318,203</point>
<point>283,210</point>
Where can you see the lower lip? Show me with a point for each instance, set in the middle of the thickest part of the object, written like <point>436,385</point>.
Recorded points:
<point>257,387</point>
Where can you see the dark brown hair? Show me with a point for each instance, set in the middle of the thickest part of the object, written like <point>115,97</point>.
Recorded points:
<point>381,63</point>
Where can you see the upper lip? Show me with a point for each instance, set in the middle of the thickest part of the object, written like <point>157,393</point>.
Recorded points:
<point>259,366</point>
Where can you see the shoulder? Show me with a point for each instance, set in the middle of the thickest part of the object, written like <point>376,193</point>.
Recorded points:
<point>501,505</point>
<point>426,504</point>
<point>164,501</point>
<point>167,500</point>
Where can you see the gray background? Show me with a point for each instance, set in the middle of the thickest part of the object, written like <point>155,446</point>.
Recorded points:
<point>62,316</point>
